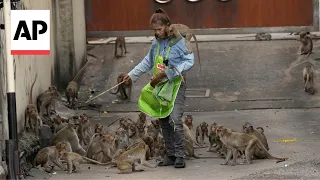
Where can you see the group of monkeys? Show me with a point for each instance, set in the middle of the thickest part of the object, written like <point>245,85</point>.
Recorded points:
<point>135,142</point>
<point>228,143</point>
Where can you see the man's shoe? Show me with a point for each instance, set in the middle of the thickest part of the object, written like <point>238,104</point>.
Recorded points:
<point>167,161</point>
<point>179,163</point>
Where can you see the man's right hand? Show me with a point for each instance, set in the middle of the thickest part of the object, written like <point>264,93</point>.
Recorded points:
<point>126,77</point>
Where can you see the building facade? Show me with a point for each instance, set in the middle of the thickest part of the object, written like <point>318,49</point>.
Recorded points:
<point>111,18</point>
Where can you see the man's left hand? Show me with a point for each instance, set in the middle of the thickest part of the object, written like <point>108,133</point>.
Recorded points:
<point>159,76</point>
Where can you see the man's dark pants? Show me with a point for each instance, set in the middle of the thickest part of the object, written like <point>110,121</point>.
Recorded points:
<point>172,126</point>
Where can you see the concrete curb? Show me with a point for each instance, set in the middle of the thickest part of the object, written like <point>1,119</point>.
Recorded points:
<point>204,38</point>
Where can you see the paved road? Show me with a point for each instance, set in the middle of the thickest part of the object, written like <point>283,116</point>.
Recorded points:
<point>240,75</point>
<point>249,81</point>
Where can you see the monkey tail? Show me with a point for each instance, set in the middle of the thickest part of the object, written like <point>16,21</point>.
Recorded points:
<point>96,162</point>
<point>194,36</point>
<point>308,54</point>
<point>205,157</point>
<point>78,74</point>
<point>118,89</point>
<point>30,95</point>
<point>269,156</point>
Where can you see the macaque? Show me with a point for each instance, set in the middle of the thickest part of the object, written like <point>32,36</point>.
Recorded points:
<point>308,78</point>
<point>238,141</point>
<point>125,88</point>
<point>306,44</point>
<point>178,30</point>
<point>32,121</point>
<point>48,157</point>
<point>202,131</point>
<point>120,43</point>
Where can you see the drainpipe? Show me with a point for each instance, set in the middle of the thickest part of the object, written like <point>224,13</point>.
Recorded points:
<point>12,155</point>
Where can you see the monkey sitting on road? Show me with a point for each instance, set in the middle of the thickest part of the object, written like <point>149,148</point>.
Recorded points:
<point>259,133</point>
<point>125,88</point>
<point>188,120</point>
<point>48,157</point>
<point>202,130</point>
<point>306,44</point>
<point>69,134</point>
<point>248,128</point>
<point>238,141</point>
<point>126,161</point>
<point>83,129</point>
<point>59,123</point>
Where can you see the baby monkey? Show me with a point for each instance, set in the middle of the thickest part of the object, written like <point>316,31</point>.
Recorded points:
<point>202,130</point>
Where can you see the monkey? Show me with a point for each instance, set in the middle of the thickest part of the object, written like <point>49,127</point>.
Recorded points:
<point>248,128</point>
<point>153,129</point>
<point>141,125</point>
<point>100,147</point>
<point>48,157</point>
<point>214,140</point>
<point>141,130</point>
<point>202,130</point>
<point>179,30</point>
<point>126,161</point>
<point>120,43</point>
<point>83,128</point>
<point>47,101</point>
<point>159,147</point>
<point>306,44</point>
<point>238,141</point>
<point>153,137</point>
<point>132,133</point>
<point>188,143</point>
<point>125,123</point>
<point>43,98</point>
<point>33,121</point>
<point>72,88</point>
<point>121,139</point>
<point>260,130</point>
<point>69,134</point>
<point>260,36</point>
<point>59,123</point>
<point>308,77</point>
<point>74,160</point>
<point>98,128</point>
<point>125,88</point>
<point>72,93</point>
<point>188,120</point>
<point>142,118</point>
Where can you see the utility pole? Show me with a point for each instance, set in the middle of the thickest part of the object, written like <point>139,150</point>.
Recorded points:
<point>12,154</point>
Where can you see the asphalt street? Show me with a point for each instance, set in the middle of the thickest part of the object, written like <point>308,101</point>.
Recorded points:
<point>255,81</point>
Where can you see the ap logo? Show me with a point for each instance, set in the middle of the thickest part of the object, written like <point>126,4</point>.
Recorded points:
<point>30,32</point>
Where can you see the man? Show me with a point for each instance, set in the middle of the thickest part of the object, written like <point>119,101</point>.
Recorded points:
<point>164,96</point>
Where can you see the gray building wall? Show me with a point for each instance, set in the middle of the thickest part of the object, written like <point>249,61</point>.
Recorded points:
<point>68,54</point>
